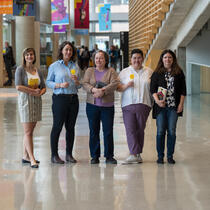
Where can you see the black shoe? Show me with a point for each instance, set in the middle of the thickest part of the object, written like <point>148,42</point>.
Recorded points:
<point>28,161</point>
<point>70,158</point>
<point>171,161</point>
<point>111,160</point>
<point>8,83</point>
<point>56,159</point>
<point>35,166</point>
<point>160,161</point>
<point>94,161</point>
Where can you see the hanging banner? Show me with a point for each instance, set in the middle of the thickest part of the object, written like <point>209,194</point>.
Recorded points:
<point>59,12</point>
<point>81,14</point>
<point>59,28</point>
<point>6,6</point>
<point>104,17</point>
<point>24,8</point>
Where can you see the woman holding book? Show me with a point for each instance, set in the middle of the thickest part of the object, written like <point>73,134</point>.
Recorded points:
<point>169,103</point>
<point>100,82</point>
<point>136,103</point>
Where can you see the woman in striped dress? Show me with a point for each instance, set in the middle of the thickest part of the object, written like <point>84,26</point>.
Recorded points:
<point>30,84</point>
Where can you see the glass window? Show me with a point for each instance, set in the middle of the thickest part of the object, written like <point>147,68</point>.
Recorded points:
<point>46,46</point>
<point>113,2</point>
<point>116,27</point>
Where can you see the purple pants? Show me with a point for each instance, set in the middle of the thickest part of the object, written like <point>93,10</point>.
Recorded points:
<point>135,118</point>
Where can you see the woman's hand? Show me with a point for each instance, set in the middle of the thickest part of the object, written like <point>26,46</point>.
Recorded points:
<point>160,103</point>
<point>122,87</point>
<point>64,85</point>
<point>130,84</point>
<point>35,92</point>
<point>97,92</point>
<point>75,79</point>
<point>180,108</point>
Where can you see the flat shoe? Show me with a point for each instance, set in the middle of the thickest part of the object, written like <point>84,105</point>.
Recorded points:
<point>35,166</point>
<point>28,161</point>
<point>70,159</point>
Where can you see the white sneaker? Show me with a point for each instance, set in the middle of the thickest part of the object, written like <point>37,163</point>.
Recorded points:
<point>139,158</point>
<point>132,159</point>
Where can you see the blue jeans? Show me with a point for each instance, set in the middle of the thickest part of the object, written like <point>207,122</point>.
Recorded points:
<point>95,115</point>
<point>166,121</point>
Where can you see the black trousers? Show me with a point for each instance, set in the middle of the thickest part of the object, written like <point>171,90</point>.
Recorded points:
<point>65,108</point>
<point>9,72</point>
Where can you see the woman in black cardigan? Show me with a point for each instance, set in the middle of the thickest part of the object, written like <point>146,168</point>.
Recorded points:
<point>168,88</point>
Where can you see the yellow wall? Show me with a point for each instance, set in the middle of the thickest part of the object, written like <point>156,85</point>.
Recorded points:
<point>153,59</point>
<point>145,18</point>
<point>205,79</point>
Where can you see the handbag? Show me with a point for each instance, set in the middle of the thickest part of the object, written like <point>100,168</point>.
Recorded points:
<point>100,84</point>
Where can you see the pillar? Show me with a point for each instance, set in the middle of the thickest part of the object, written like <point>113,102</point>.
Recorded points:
<point>25,35</point>
<point>181,58</point>
<point>45,11</point>
<point>55,39</point>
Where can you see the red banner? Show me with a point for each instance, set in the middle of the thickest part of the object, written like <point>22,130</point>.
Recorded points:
<point>81,14</point>
<point>6,6</point>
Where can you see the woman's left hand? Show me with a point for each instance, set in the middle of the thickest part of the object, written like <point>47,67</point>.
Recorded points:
<point>180,108</point>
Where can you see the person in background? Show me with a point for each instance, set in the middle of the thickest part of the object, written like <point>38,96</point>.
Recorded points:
<point>30,84</point>
<point>136,103</point>
<point>63,78</point>
<point>167,75</point>
<point>85,56</point>
<point>113,56</point>
<point>9,63</point>
<point>100,82</point>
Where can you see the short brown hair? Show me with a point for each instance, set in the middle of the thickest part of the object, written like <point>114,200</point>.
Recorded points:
<point>25,51</point>
<point>106,56</point>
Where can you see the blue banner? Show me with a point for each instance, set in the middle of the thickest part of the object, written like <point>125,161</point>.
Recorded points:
<point>24,8</point>
<point>104,17</point>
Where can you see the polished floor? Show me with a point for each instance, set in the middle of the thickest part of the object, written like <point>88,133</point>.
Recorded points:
<point>81,186</point>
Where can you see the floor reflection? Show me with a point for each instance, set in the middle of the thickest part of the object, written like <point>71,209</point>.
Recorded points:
<point>145,186</point>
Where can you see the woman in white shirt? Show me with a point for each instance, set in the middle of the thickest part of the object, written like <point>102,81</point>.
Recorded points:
<point>136,103</point>
<point>30,84</point>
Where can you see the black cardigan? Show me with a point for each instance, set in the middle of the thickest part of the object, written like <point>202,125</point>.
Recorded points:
<point>158,80</point>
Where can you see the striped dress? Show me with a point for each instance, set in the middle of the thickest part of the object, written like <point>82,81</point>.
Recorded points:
<point>30,107</point>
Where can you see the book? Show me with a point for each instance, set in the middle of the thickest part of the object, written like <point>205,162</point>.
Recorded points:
<point>162,93</point>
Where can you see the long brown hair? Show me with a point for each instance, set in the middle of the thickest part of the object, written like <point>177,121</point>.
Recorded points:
<point>175,68</point>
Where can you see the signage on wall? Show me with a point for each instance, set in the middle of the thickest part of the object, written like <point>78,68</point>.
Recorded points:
<point>6,7</point>
<point>24,8</point>
<point>104,17</point>
<point>59,12</point>
<point>59,28</point>
<point>81,14</point>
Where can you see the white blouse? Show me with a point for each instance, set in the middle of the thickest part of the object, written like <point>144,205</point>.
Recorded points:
<point>140,93</point>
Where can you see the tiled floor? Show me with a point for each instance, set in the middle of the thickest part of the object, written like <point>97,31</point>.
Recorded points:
<point>146,186</point>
